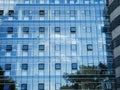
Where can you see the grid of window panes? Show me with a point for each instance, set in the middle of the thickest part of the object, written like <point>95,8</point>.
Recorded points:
<point>40,40</point>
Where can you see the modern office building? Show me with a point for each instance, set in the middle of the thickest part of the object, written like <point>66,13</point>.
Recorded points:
<point>42,41</point>
<point>114,11</point>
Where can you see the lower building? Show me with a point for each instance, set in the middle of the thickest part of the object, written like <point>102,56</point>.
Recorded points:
<point>114,11</point>
<point>55,45</point>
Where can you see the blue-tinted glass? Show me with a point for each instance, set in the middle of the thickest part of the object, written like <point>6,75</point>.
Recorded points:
<point>25,47</point>
<point>10,29</point>
<point>41,47</point>
<point>41,66</point>
<point>11,13</point>
<point>7,66</point>
<point>41,29</point>
<point>57,66</point>
<point>57,12</point>
<point>0,47</point>
<point>74,65</point>
<point>6,87</point>
<point>26,29</point>
<point>40,86</point>
<point>8,47</point>
<point>72,13</point>
<point>23,86</point>
<point>57,29</point>
<point>89,47</point>
<point>73,47</point>
<point>41,12</point>
<point>26,12</point>
<point>72,29</point>
<point>24,66</point>
<point>1,12</point>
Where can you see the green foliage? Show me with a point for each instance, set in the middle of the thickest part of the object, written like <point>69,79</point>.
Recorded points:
<point>6,80</point>
<point>87,77</point>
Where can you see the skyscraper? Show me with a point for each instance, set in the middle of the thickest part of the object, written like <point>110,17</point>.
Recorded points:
<point>114,11</point>
<point>56,44</point>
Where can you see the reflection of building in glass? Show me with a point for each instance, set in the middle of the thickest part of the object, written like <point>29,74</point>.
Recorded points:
<point>41,40</point>
<point>114,11</point>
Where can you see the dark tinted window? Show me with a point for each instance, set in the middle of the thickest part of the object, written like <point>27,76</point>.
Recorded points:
<point>10,30</point>
<point>40,86</point>
<point>24,66</point>
<point>25,47</point>
<point>7,66</point>
<point>8,47</point>
<point>1,12</point>
<point>41,66</point>
<point>23,86</point>
<point>74,65</point>
<point>11,13</point>
<point>41,47</point>
<point>57,66</point>
<point>41,12</point>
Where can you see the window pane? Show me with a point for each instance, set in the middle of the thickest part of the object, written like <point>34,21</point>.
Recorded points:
<point>25,29</point>
<point>7,66</point>
<point>11,13</point>
<point>40,86</point>
<point>10,30</point>
<point>41,29</point>
<point>41,12</point>
<point>41,47</point>
<point>74,65</point>
<point>8,47</point>
<point>25,47</point>
<point>57,29</point>
<point>89,47</point>
<point>24,66</point>
<point>41,66</point>
<point>73,47</point>
<point>1,12</point>
<point>72,29</point>
<point>6,87</point>
<point>23,86</point>
<point>57,66</point>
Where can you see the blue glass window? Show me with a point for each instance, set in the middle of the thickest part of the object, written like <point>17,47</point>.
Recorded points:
<point>41,66</point>
<point>8,47</point>
<point>41,47</point>
<point>72,29</point>
<point>74,65</point>
<point>11,13</point>
<point>72,13</point>
<point>57,12</point>
<point>25,29</point>
<point>57,66</point>
<point>0,47</point>
<point>24,66</point>
<point>57,47</point>
<point>10,30</point>
<point>6,87</point>
<point>105,29</point>
<point>27,12</point>
<point>41,29</point>
<point>23,86</point>
<point>7,66</point>
<point>25,47</point>
<point>41,12</point>
<point>41,86</point>
<point>1,12</point>
<point>73,47</point>
<point>57,29</point>
<point>89,47</point>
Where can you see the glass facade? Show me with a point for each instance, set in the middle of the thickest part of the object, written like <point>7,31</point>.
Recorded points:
<point>42,40</point>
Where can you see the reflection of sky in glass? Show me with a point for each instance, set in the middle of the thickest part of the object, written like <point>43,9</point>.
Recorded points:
<point>63,47</point>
